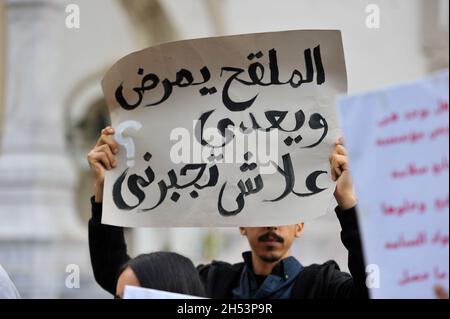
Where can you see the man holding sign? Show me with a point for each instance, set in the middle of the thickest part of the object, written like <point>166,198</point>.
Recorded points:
<point>254,122</point>
<point>268,271</point>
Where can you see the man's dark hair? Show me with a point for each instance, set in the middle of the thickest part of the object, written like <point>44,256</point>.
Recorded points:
<point>166,271</point>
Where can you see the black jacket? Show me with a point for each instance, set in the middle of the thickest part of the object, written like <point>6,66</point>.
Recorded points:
<point>108,252</point>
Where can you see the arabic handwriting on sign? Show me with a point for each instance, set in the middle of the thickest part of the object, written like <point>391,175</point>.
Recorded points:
<point>150,81</point>
<point>275,119</point>
<point>256,74</point>
<point>255,71</point>
<point>246,188</point>
<point>405,208</point>
<point>287,172</point>
<point>407,278</point>
<point>419,240</point>
<point>136,184</point>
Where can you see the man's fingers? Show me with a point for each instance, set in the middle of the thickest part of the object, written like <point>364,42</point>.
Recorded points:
<point>107,150</point>
<point>333,175</point>
<point>338,170</point>
<point>338,158</point>
<point>335,171</point>
<point>105,139</point>
<point>340,141</point>
<point>101,157</point>
<point>341,150</point>
<point>108,131</point>
<point>338,164</point>
<point>340,161</point>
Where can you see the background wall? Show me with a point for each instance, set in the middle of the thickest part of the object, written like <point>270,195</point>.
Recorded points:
<point>53,95</point>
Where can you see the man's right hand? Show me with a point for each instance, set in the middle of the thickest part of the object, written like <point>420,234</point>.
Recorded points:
<point>102,157</point>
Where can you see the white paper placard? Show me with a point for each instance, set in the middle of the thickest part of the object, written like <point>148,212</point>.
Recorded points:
<point>281,84</point>
<point>397,139</point>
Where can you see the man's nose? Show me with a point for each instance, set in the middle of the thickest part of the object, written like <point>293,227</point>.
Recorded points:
<point>272,228</point>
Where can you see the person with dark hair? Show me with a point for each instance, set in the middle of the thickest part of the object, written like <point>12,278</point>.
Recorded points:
<point>162,271</point>
<point>268,270</point>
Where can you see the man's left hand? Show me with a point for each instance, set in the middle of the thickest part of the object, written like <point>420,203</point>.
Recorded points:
<point>340,173</point>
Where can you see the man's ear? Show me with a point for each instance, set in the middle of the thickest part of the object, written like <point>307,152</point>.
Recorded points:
<point>299,229</point>
<point>243,231</point>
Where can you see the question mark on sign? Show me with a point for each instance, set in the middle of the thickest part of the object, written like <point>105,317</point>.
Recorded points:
<point>122,138</point>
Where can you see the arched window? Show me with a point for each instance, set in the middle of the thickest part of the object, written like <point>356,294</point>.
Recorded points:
<point>83,134</point>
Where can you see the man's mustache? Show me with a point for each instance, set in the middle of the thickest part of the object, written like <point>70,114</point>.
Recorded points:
<point>270,236</point>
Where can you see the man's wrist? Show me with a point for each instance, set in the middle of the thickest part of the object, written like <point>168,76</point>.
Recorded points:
<point>346,201</point>
<point>98,196</point>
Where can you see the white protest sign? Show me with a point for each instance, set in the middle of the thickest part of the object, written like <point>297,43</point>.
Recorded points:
<point>225,131</point>
<point>397,139</point>
<point>132,292</point>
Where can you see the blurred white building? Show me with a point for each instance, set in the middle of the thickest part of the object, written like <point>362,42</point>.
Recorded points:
<point>52,109</point>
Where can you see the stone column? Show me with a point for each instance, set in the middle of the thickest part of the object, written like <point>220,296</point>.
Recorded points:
<point>37,178</point>
<point>2,31</point>
<point>434,32</point>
